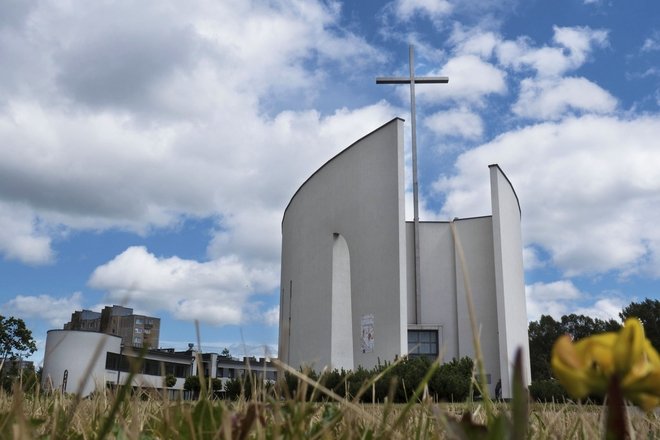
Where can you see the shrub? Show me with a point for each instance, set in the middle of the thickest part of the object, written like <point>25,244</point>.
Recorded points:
<point>452,380</point>
<point>547,390</point>
<point>169,380</point>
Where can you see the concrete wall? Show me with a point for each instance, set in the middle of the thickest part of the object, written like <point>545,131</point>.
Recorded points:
<point>510,277</point>
<point>476,239</point>
<point>444,303</point>
<point>76,351</point>
<point>358,196</point>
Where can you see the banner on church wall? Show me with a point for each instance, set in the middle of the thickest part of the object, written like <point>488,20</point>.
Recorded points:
<point>367,340</point>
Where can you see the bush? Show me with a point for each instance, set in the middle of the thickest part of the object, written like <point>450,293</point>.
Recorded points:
<point>547,390</point>
<point>233,389</point>
<point>452,380</point>
<point>398,383</point>
<point>192,384</point>
<point>169,380</point>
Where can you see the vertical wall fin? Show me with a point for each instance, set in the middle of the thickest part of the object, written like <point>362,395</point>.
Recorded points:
<point>509,277</point>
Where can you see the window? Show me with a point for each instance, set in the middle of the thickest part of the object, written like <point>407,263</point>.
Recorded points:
<point>138,320</point>
<point>137,340</point>
<point>423,343</point>
<point>138,330</point>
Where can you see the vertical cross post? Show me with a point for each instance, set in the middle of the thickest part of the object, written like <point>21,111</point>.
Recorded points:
<point>412,80</point>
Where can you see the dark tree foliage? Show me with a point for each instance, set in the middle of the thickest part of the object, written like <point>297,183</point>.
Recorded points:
<point>648,311</point>
<point>192,384</point>
<point>15,338</point>
<point>544,332</point>
<point>26,378</point>
<point>580,326</point>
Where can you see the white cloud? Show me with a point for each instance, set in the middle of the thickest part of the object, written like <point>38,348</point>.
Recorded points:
<point>550,298</point>
<point>470,80</point>
<point>531,259</point>
<point>605,309</point>
<point>456,123</point>
<point>434,9</point>
<point>56,311</point>
<point>556,290</point>
<point>652,43</point>
<point>562,297</point>
<point>20,237</point>
<point>215,292</point>
<point>272,316</point>
<point>475,42</point>
<point>553,98</point>
<point>588,187</point>
<point>573,46</point>
<point>138,136</point>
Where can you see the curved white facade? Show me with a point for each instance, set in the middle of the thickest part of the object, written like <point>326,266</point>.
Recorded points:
<point>349,216</point>
<point>75,360</point>
<point>348,293</point>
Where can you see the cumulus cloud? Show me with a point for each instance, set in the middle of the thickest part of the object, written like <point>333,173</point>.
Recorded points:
<point>605,309</point>
<point>474,41</point>
<point>20,237</point>
<point>434,9</point>
<point>531,259</point>
<point>471,80</point>
<point>572,47</point>
<point>550,298</point>
<point>216,292</point>
<point>587,186</point>
<point>561,297</point>
<point>138,122</point>
<point>272,316</point>
<point>56,311</point>
<point>455,123</point>
<point>553,98</point>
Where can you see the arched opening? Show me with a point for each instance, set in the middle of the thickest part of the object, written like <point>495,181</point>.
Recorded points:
<point>341,337</point>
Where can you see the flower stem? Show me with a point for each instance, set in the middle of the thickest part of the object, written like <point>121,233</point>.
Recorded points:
<point>616,426</point>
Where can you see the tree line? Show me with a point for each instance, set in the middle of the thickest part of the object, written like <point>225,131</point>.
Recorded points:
<point>544,332</point>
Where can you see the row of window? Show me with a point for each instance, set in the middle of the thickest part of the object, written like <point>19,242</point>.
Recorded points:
<point>148,366</point>
<point>232,373</point>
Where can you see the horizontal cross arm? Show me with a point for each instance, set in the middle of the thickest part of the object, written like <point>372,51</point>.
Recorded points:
<point>420,80</point>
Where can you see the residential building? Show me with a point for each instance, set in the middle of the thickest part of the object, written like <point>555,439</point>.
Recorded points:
<point>135,330</point>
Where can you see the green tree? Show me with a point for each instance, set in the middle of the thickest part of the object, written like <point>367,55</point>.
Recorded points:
<point>15,339</point>
<point>648,311</point>
<point>192,384</point>
<point>580,326</point>
<point>225,353</point>
<point>542,334</point>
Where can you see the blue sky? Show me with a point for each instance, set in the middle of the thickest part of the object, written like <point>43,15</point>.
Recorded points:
<point>148,149</point>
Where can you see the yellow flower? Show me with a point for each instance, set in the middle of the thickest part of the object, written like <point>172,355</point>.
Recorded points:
<point>589,365</point>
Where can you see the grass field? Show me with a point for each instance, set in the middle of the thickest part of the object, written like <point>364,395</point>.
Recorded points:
<point>109,415</point>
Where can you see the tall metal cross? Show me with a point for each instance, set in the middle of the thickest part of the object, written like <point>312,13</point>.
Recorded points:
<point>412,80</point>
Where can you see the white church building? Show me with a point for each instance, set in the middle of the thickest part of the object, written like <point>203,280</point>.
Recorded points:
<point>348,294</point>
